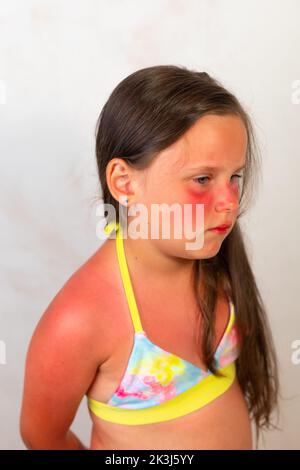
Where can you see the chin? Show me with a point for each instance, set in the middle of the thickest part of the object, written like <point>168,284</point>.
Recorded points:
<point>203,253</point>
<point>210,252</point>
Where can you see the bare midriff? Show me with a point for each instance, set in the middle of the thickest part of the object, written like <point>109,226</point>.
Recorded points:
<point>222,424</point>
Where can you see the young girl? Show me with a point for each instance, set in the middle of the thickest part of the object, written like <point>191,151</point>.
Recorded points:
<point>171,346</point>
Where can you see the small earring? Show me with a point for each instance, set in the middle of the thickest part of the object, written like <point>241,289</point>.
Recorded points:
<point>123,200</point>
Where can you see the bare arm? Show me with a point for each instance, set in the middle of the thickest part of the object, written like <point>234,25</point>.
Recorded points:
<point>62,359</point>
<point>67,442</point>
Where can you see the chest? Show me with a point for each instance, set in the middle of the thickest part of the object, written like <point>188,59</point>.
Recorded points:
<point>175,329</point>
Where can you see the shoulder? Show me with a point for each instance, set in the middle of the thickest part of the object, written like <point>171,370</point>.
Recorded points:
<point>80,313</point>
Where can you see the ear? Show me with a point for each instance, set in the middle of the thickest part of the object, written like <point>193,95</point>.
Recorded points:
<point>120,179</point>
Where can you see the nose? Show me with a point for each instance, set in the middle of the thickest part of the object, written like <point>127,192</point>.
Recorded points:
<point>225,207</point>
<point>227,203</point>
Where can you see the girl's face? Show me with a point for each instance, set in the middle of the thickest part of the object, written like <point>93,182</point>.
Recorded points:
<point>203,167</point>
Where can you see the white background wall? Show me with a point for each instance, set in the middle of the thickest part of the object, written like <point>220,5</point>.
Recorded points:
<point>59,61</point>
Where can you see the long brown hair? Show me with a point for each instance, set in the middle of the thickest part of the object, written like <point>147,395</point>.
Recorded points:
<point>146,113</point>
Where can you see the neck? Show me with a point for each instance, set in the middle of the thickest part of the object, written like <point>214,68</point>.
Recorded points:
<point>147,259</point>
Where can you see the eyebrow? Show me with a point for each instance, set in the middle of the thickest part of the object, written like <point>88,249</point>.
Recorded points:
<point>211,168</point>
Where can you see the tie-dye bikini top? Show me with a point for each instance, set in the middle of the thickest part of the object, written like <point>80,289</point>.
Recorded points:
<point>158,385</point>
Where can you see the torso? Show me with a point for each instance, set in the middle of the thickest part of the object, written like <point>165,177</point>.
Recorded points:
<point>212,426</point>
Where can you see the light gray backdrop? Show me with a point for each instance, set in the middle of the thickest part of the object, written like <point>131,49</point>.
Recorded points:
<point>59,61</point>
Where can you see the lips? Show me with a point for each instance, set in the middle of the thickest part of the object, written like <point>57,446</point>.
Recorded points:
<point>221,227</point>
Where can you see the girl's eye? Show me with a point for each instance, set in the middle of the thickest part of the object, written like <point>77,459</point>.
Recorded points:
<point>237,176</point>
<point>200,179</point>
<point>197,180</point>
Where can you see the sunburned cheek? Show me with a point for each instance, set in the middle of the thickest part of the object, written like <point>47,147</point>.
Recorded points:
<point>194,198</point>
<point>237,191</point>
